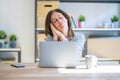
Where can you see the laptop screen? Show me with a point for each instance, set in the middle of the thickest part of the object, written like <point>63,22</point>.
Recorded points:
<point>58,54</point>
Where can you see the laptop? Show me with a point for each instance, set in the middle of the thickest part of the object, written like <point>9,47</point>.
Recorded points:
<point>58,54</point>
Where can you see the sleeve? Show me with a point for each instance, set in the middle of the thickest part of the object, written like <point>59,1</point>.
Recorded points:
<point>80,41</point>
<point>49,38</point>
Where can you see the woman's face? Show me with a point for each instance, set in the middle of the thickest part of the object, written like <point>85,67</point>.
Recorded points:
<point>59,21</point>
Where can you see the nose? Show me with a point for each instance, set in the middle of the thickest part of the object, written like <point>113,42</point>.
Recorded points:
<point>59,21</point>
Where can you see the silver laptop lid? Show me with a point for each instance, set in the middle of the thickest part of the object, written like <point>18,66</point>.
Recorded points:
<point>58,54</point>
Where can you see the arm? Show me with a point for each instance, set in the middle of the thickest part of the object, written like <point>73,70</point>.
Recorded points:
<point>80,40</point>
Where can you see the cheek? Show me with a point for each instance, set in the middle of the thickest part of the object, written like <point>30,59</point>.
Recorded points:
<point>65,21</point>
<point>56,26</point>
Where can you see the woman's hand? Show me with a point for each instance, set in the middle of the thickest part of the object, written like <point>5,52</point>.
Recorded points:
<point>57,34</point>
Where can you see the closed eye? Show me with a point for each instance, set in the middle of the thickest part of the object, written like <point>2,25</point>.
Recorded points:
<point>54,21</point>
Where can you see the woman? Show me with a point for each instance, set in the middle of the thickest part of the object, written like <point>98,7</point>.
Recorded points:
<point>58,28</point>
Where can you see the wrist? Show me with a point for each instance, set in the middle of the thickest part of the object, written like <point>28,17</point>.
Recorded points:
<point>55,38</point>
<point>65,40</point>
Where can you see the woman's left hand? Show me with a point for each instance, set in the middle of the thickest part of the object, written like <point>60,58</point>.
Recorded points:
<point>57,34</point>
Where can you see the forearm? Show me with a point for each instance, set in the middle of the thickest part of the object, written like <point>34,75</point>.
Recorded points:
<point>55,38</point>
<point>62,37</point>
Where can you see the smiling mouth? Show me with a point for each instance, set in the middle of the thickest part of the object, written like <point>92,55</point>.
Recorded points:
<point>62,25</point>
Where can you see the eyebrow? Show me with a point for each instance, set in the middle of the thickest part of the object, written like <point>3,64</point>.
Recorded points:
<point>55,18</point>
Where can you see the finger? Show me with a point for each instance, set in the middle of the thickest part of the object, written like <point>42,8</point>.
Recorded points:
<point>53,29</point>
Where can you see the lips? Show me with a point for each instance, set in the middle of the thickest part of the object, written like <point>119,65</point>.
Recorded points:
<point>62,24</point>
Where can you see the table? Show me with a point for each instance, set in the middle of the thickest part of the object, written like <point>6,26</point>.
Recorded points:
<point>32,71</point>
<point>12,50</point>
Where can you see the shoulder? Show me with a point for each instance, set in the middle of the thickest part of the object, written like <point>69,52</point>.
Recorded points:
<point>49,38</point>
<point>79,36</point>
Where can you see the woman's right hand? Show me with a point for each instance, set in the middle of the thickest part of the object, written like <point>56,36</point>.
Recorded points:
<point>55,37</point>
<point>57,34</point>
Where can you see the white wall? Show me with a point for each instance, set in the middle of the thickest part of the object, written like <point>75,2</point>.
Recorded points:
<point>18,16</point>
<point>96,13</point>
